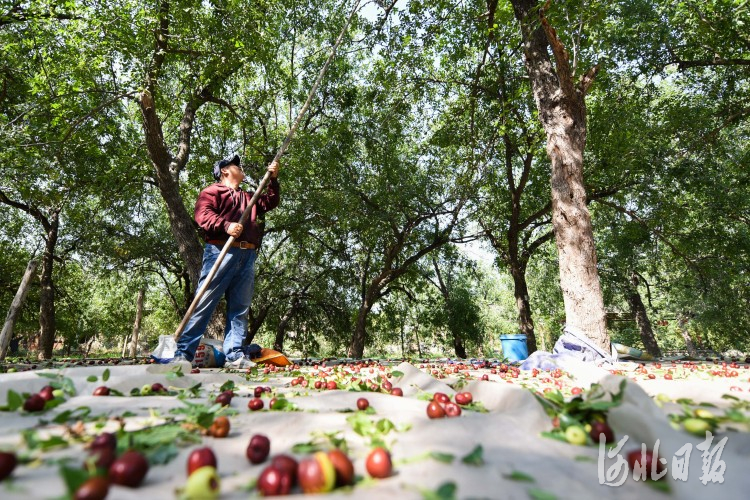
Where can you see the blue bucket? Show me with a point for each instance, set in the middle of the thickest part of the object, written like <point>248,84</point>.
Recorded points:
<point>514,346</point>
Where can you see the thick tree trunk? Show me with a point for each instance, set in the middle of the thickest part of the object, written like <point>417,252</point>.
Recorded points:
<point>47,323</point>
<point>357,345</point>
<point>683,322</point>
<point>574,236</point>
<point>521,293</point>
<point>458,347</point>
<point>562,112</point>
<point>167,171</point>
<point>638,310</point>
<point>278,342</point>
<point>16,306</point>
<point>137,323</point>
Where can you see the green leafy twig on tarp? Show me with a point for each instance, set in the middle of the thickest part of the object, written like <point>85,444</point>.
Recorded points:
<point>200,414</point>
<point>190,392</point>
<point>34,442</point>
<point>662,486</point>
<point>476,406</point>
<point>520,476</point>
<point>94,378</point>
<point>62,386</point>
<point>476,457</point>
<point>227,386</point>
<point>578,411</point>
<point>322,441</point>
<point>540,494</point>
<point>59,381</point>
<point>374,430</point>
<point>73,478</point>
<point>446,491</point>
<point>79,414</point>
<point>446,458</point>
<point>14,401</point>
<point>159,443</point>
<point>175,373</point>
<point>283,404</point>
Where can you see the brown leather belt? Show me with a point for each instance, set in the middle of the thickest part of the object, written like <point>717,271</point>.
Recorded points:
<point>245,245</point>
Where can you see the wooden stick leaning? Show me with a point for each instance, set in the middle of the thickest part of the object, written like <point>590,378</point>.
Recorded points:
<point>266,178</point>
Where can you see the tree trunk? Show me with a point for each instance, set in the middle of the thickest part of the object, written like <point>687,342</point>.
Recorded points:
<point>278,342</point>
<point>47,293</point>
<point>683,322</point>
<point>458,347</point>
<point>403,339</point>
<point>16,306</point>
<point>137,324</point>
<point>255,321</point>
<point>167,171</point>
<point>638,310</point>
<point>562,112</point>
<point>357,345</point>
<point>458,343</point>
<point>521,293</point>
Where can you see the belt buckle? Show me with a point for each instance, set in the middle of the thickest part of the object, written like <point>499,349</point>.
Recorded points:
<point>245,245</point>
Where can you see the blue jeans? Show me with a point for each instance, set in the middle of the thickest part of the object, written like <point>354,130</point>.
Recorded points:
<point>234,279</point>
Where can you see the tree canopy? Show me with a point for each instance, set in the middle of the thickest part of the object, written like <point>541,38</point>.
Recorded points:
<point>433,135</point>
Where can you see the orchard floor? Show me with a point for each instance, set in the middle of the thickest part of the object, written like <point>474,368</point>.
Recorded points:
<point>495,449</point>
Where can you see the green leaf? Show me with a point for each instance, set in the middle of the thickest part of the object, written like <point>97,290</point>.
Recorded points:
<point>92,378</point>
<point>475,457</point>
<point>32,440</point>
<point>105,375</point>
<point>446,491</point>
<point>176,372</point>
<point>445,458</point>
<point>227,386</point>
<point>662,486</point>
<point>15,401</point>
<point>158,443</point>
<point>540,494</point>
<point>78,414</point>
<point>384,426</point>
<point>73,477</point>
<point>283,404</point>
<point>736,416</point>
<point>306,448</point>
<point>558,435</point>
<point>162,454</point>
<point>397,373</point>
<point>520,476</point>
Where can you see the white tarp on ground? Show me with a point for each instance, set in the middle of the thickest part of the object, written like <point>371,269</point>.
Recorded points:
<point>509,434</point>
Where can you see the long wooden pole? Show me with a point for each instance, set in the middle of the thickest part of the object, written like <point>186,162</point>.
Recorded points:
<point>267,177</point>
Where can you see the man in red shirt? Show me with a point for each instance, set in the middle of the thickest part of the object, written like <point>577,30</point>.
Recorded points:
<point>217,210</point>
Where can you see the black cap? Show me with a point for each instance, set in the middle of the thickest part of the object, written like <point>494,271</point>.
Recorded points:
<point>229,160</point>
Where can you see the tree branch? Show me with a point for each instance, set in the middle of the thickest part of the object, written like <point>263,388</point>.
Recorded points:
<point>33,211</point>
<point>658,234</point>
<point>562,59</point>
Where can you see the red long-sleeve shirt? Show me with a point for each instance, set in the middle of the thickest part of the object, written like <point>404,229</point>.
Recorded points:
<point>219,205</point>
